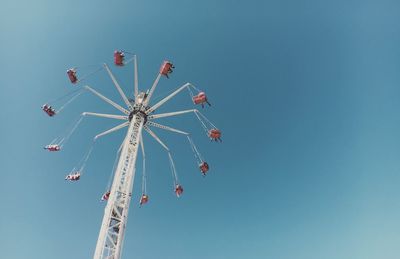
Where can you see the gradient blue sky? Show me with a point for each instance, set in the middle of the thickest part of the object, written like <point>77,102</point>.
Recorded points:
<point>306,93</point>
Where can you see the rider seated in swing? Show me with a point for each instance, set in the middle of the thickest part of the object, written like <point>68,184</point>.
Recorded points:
<point>166,68</point>
<point>201,98</point>
<point>215,134</point>
<point>106,196</point>
<point>53,147</point>
<point>72,75</point>
<point>119,58</point>
<point>204,167</point>
<point>73,177</point>
<point>144,199</point>
<point>178,190</point>
<point>49,110</point>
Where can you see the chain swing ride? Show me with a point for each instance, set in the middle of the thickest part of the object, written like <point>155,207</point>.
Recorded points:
<point>139,114</point>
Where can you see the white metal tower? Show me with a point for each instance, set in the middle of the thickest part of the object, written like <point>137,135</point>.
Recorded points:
<point>137,116</point>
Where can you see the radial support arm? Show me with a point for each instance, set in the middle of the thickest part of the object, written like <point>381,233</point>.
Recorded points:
<point>150,123</point>
<point>112,130</point>
<point>136,85</point>
<point>153,87</point>
<point>110,116</point>
<point>157,105</point>
<point>170,114</point>
<point>107,100</point>
<point>155,137</point>
<point>118,87</point>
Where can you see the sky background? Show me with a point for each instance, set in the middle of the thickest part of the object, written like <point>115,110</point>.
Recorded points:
<point>306,94</point>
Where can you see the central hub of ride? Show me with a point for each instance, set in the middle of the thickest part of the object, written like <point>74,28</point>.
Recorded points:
<point>138,111</point>
<point>139,108</point>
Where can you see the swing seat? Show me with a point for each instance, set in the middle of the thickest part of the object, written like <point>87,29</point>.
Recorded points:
<point>50,112</point>
<point>47,109</point>
<point>214,134</point>
<point>204,167</point>
<point>166,68</point>
<point>54,147</point>
<point>72,75</point>
<point>119,58</point>
<point>105,196</point>
<point>144,199</point>
<point>178,190</point>
<point>200,98</point>
<point>73,177</point>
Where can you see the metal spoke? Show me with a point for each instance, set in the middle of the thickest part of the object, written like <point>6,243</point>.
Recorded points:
<point>155,137</point>
<point>151,123</point>
<point>110,116</point>
<point>153,87</point>
<point>136,82</point>
<point>112,130</point>
<point>121,92</point>
<point>107,100</point>
<point>157,105</point>
<point>169,114</point>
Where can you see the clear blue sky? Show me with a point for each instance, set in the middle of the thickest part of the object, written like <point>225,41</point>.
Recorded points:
<point>306,93</point>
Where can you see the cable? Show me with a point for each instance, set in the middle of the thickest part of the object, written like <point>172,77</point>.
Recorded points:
<point>202,123</point>
<point>63,96</point>
<point>144,189</point>
<point>113,170</point>
<point>197,154</point>
<point>174,174</point>
<point>85,158</point>
<point>63,140</point>
<point>204,117</point>
<point>89,74</point>
<point>69,101</point>
<point>190,93</point>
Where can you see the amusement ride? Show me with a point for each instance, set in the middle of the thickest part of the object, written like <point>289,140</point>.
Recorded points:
<point>138,114</point>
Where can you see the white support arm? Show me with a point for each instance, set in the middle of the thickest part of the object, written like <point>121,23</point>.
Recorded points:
<point>107,100</point>
<point>150,123</point>
<point>155,137</point>
<point>110,116</point>
<point>169,114</point>
<point>112,129</point>
<point>136,86</point>
<point>118,87</point>
<point>157,105</point>
<point>153,87</point>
